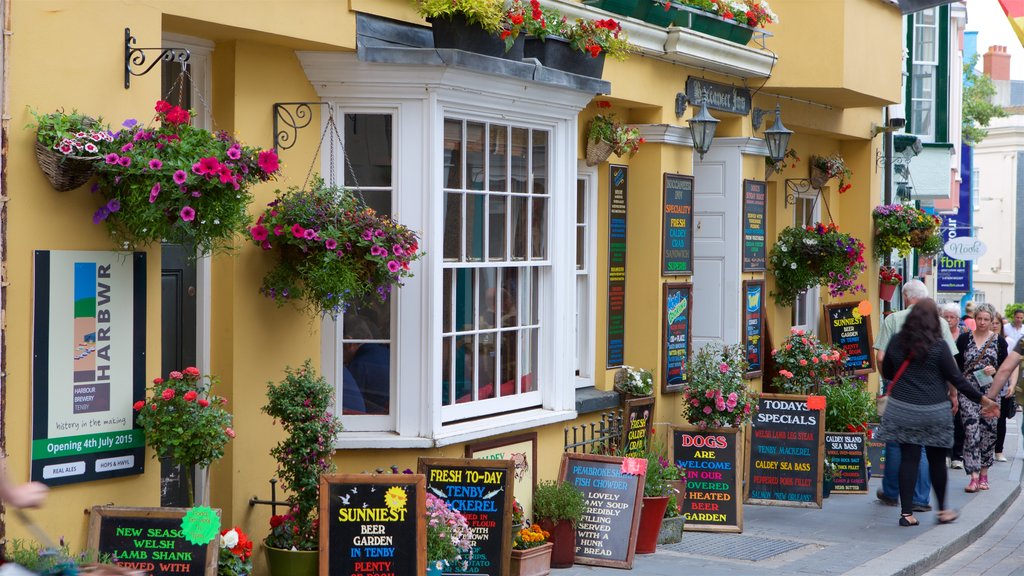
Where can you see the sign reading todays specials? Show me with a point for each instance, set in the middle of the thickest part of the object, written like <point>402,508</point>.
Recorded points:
<point>785,452</point>
<point>482,491</point>
<point>150,540</point>
<point>606,535</point>
<point>850,331</point>
<point>372,525</point>
<point>617,266</point>
<point>754,239</point>
<point>676,334</point>
<point>88,368</point>
<point>677,226</point>
<point>711,460</point>
<point>846,452</point>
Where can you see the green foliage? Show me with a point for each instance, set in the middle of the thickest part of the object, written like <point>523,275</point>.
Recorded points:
<point>849,404</point>
<point>1011,308</point>
<point>235,553</point>
<point>54,127</point>
<point>558,501</point>
<point>301,404</point>
<point>486,14</point>
<point>901,227</point>
<point>673,506</point>
<point>715,394</point>
<point>40,559</point>
<point>978,109</point>
<point>805,257</point>
<point>624,140</point>
<point>594,37</point>
<point>804,363</point>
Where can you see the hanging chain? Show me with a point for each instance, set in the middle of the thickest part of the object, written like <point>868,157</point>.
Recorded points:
<point>331,129</point>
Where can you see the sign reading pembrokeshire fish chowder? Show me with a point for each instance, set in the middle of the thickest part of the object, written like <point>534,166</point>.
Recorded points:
<point>711,458</point>
<point>785,452</point>
<point>372,525</point>
<point>88,365</point>
<point>482,491</point>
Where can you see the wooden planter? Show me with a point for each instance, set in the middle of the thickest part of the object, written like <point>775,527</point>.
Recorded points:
<point>532,561</point>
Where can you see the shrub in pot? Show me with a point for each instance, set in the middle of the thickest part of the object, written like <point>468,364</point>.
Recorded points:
<point>557,507</point>
<point>531,552</point>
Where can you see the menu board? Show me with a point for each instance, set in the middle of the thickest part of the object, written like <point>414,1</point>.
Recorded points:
<point>150,540</point>
<point>606,535</point>
<point>785,452</point>
<point>712,461</point>
<point>617,266</point>
<point>850,331</point>
<point>846,451</point>
<point>372,525</point>
<point>482,491</point>
<point>675,330</point>
<point>677,226</point>
<point>640,424</point>
<point>754,239</point>
<point>753,326</point>
<point>876,451</point>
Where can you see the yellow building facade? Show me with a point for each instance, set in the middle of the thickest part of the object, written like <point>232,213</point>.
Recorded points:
<point>830,69</point>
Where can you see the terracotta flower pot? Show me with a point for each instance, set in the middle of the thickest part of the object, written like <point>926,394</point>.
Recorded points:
<point>650,523</point>
<point>534,561</point>
<point>563,539</point>
<point>886,291</point>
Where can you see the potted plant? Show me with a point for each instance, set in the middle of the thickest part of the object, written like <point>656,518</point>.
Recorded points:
<point>888,280</point>
<point>177,183</point>
<point>300,404</point>
<point>579,47</point>
<point>480,26</point>
<point>557,507</point>
<point>449,537</point>
<point>901,227</point>
<point>673,524</point>
<point>606,135</point>
<point>825,168</point>
<point>332,250</point>
<point>531,552</point>
<point>848,404</point>
<point>804,257</point>
<point>804,362</point>
<point>716,394</point>
<point>634,382</point>
<point>67,147</point>
<point>184,421</point>
<point>235,556</point>
<point>656,497</point>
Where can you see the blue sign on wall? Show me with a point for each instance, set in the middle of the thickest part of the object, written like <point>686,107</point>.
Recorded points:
<point>954,275</point>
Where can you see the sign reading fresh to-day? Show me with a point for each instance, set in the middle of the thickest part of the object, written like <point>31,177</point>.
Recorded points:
<point>617,266</point>
<point>372,525</point>
<point>676,311</point>
<point>711,459</point>
<point>153,540</point>
<point>754,235</point>
<point>677,226</point>
<point>88,365</point>
<point>753,326</point>
<point>850,331</point>
<point>846,452</point>
<point>606,535</point>
<point>639,424</point>
<point>785,452</point>
<point>482,491</point>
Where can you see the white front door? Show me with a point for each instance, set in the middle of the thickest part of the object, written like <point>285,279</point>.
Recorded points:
<point>716,246</point>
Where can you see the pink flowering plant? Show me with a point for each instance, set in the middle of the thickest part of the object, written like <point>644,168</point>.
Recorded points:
<point>177,183</point>
<point>449,537</point>
<point>805,363</point>
<point>185,421</point>
<point>807,256</point>
<point>332,249</point>
<point>301,404</point>
<point>716,394</point>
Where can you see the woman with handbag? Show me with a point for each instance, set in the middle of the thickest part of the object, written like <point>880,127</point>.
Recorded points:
<point>919,411</point>
<point>981,352</point>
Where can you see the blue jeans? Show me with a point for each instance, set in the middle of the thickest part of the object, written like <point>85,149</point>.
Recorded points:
<point>891,477</point>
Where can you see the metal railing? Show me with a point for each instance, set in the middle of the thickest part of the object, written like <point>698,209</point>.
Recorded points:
<point>601,437</point>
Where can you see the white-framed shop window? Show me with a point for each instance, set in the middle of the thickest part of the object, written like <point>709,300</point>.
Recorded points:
<point>586,286</point>
<point>924,73</point>
<point>806,212</point>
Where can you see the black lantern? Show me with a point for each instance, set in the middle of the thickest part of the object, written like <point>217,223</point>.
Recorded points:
<point>777,138</point>
<point>702,130</point>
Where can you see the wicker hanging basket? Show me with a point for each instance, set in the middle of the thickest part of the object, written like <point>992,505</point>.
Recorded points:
<point>65,172</point>
<point>598,151</point>
<point>818,177</point>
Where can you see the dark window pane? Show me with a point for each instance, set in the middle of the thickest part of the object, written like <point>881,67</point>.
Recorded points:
<point>474,226</point>
<point>379,200</point>
<point>465,368</point>
<point>539,229</point>
<point>488,294</point>
<point>497,158</point>
<point>447,376</point>
<point>475,156</point>
<point>509,297</point>
<point>509,361</point>
<point>453,154</point>
<point>520,159</point>
<point>519,216</point>
<point>453,226</point>
<point>540,162</point>
<point>498,212</point>
<point>446,297</point>
<point>368,149</point>
<point>464,302</point>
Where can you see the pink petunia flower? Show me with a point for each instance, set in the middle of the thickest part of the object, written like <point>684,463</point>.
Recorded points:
<point>258,232</point>
<point>278,230</point>
<point>298,231</point>
<point>180,176</point>
<point>111,158</point>
<point>188,214</point>
<point>154,192</point>
<point>330,244</point>
<point>393,266</point>
<point>268,161</point>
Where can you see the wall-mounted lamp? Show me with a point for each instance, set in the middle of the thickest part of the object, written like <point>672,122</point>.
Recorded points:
<point>777,138</point>
<point>702,130</point>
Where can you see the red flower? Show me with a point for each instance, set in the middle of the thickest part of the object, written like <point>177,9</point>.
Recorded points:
<point>190,395</point>
<point>203,402</point>
<point>152,406</point>
<point>178,116</point>
<point>139,405</point>
<point>158,380</point>
<point>517,19</point>
<point>268,161</point>
<point>175,375</point>
<point>276,521</point>
<point>162,106</point>
<point>595,50</point>
<point>505,34</point>
<point>191,371</point>
<point>167,394</point>
<point>604,104</point>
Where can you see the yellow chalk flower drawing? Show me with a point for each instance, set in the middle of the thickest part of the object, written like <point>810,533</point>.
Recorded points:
<point>395,498</point>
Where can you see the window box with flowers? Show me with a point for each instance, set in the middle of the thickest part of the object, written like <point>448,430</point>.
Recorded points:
<point>902,227</point>
<point>177,183</point>
<point>825,168</point>
<point>805,257</point>
<point>606,135</point>
<point>578,47</point>
<point>888,280</point>
<point>480,26</point>
<point>67,147</point>
<point>716,394</point>
<point>732,20</point>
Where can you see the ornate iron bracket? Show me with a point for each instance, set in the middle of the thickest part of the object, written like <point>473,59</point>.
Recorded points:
<point>136,57</point>
<point>795,187</point>
<point>273,502</point>
<point>289,118</point>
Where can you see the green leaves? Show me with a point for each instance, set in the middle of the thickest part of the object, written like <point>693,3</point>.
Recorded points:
<point>978,109</point>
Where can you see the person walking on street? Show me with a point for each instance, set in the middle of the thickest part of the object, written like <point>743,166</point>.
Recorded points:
<point>979,353</point>
<point>1015,329</point>
<point>920,408</point>
<point>951,314</point>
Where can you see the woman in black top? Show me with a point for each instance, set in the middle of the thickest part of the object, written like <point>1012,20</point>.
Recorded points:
<point>919,412</point>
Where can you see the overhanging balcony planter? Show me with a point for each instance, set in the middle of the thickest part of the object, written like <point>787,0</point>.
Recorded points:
<point>654,12</point>
<point>712,25</point>
<point>634,8</point>
<point>455,33</point>
<point>556,52</point>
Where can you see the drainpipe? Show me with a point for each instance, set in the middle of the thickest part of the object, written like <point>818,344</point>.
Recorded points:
<point>5,16</point>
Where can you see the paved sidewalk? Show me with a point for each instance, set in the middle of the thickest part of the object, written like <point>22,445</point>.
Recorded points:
<point>855,535</point>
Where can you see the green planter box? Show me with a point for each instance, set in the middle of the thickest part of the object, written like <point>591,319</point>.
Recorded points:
<point>712,25</point>
<point>655,13</point>
<point>633,8</point>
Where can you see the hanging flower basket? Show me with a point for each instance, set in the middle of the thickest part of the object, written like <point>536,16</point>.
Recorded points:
<point>606,135</point>
<point>598,151</point>
<point>818,178</point>
<point>825,168</point>
<point>805,257</point>
<point>332,250</point>
<point>67,147</point>
<point>902,227</point>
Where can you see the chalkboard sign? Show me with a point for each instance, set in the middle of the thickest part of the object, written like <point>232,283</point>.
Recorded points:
<point>482,491</point>
<point>151,540</point>
<point>849,331</point>
<point>639,425</point>
<point>754,199</point>
<point>753,326</point>
<point>876,451</point>
<point>785,452</point>
<point>617,265</point>
<point>846,451</point>
<point>676,310</point>
<point>606,535</point>
<point>677,226</point>
<point>372,525</point>
<point>713,474</point>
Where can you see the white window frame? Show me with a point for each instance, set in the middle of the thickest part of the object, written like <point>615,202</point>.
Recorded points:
<point>811,299</point>
<point>930,62</point>
<point>586,281</point>
<point>424,96</point>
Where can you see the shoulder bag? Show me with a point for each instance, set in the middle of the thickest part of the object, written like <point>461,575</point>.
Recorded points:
<point>882,401</point>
